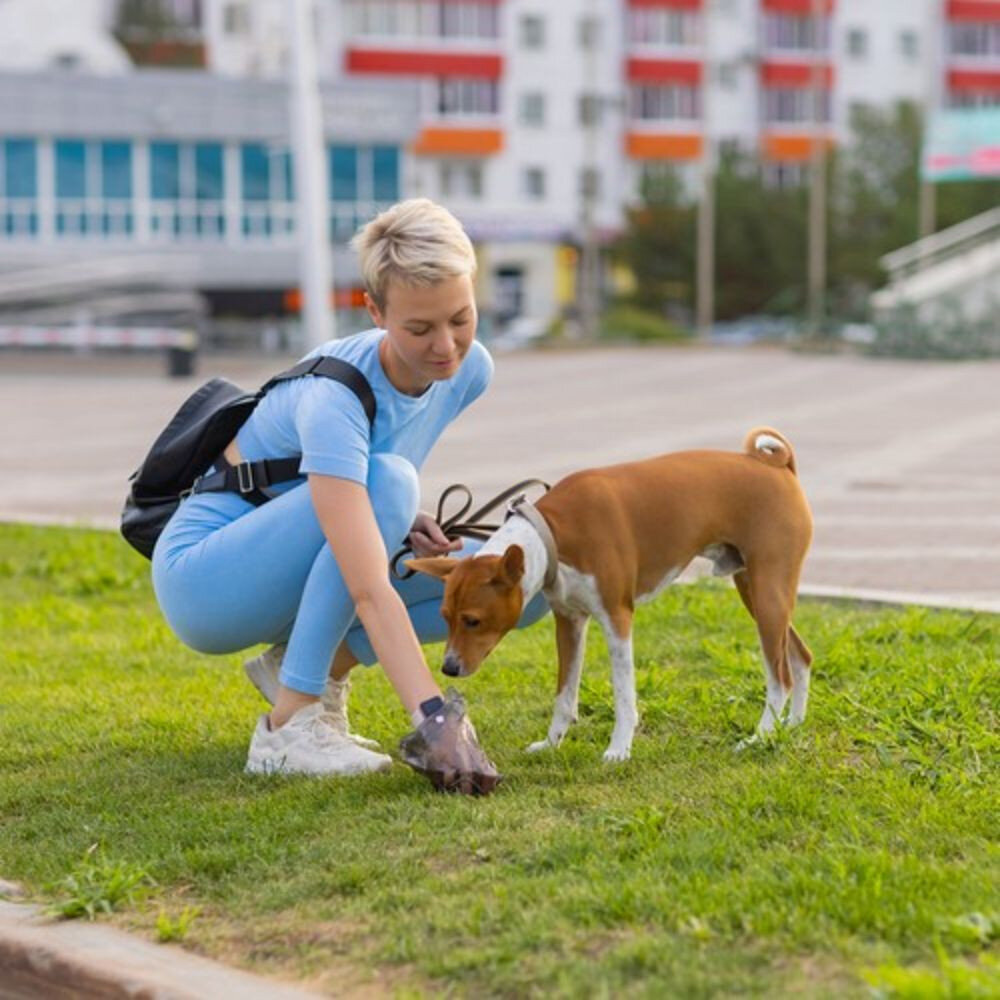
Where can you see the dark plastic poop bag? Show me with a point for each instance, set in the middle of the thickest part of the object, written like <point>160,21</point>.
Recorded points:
<point>445,749</point>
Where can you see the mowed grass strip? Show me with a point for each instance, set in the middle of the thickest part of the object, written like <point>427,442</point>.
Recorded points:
<point>858,852</point>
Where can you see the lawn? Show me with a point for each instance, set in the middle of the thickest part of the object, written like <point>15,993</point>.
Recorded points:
<point>857,853</point>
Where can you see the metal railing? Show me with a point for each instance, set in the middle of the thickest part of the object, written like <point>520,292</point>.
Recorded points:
<point>942,246</point>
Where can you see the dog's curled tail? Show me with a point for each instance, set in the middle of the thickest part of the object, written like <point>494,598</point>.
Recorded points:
<point>771,447</point>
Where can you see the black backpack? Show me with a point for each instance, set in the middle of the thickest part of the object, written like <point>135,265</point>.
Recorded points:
<point>195,439</point>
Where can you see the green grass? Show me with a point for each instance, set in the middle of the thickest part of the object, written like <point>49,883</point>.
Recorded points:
<point>855,855</point>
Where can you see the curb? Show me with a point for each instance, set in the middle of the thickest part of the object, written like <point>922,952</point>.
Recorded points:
<point>71,960</point>
<point>898,599</point>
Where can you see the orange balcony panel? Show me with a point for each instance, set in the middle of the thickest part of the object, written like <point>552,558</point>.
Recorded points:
<point>663,71</point>
<point>973,10</point>
<point>982,79</point>
<point>792,148</point>
<point>676,4</point>
<point>458,142</point>
<point>400,62</point>
<point>781,74</point>
<point>803,7</point>
<point>645,146</point>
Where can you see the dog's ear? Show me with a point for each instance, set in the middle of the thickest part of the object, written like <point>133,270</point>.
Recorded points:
<point>511,567</point>
<point>439,566</point>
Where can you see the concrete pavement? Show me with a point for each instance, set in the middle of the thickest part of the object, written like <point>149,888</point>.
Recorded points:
<point>900,459</point>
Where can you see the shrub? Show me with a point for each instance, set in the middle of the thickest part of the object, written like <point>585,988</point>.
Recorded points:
<point>630,323</point>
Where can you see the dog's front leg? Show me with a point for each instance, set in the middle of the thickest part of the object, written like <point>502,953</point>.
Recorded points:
<point>571,634</point>
<point>618,633</point>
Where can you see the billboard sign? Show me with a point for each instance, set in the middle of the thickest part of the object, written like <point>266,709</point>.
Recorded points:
<point>962,144</point>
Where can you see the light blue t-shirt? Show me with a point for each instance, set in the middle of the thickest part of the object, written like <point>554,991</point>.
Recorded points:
<point>324,421</point>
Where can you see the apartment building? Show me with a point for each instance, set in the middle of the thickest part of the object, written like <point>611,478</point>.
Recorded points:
<point>539,118</point>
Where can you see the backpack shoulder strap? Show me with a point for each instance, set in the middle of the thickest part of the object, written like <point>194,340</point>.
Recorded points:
<point>328,367</point>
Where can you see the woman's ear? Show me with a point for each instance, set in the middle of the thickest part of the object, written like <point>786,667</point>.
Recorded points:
<point>374,312</point>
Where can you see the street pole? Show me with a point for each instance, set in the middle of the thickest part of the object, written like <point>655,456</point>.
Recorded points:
<point>590,252</point>
<point>928,192</point>
<point>705,307</point>
<point>817,186</point>
<point>311,196</point>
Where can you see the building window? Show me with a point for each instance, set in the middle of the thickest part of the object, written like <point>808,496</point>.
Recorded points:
<point>423,18</point>
<point>187,190</point>
<point>857,43</point>
<point>974,39</point>
<point>785,175</point>
<point>18,187</point>
<point>93,188</point>
<point>796,33</point>
<point>464,98</point>
<point>589,33</point>
<point>793,105</point>
<point>909,44</point>
<point>657,26</point>
<point>532,109</point>
<point>267,191</point>
<point>532,31</point>
<point>534,183</point>
<point>461,180</point>
<point>589,110</point>
<point>974,99</point>
<point>673,102</point>
<point>236,19</point>
<point>363,180</point>
<point>590,183</point>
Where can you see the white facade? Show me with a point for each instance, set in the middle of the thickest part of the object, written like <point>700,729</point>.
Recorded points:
<point>53,34</point>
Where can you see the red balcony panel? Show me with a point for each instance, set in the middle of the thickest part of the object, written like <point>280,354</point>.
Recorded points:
<point>973,10</point>
<point>676,4</point>
<point>404,63</point>
<point>981,79</point>
<point>663,71</point>
<point>780,74</point>
<point>804,7</point>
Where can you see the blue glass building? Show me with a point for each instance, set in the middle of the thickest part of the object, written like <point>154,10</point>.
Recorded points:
<point>187,164</point>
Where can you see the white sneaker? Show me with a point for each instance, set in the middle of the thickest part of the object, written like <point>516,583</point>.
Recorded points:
<point>263,672</point>
<point>306,744</point>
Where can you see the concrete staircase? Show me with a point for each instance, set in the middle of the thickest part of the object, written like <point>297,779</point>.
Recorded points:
<point>955,272</point>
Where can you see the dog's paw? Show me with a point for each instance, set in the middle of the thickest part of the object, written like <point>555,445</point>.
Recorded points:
<point>614,755</point>
<point>537,746</point>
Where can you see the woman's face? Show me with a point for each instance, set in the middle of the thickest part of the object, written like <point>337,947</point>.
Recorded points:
<point>429,331</point>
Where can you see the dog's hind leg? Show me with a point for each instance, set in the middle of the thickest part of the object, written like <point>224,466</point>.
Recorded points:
<point>770,608</point>
<point>618,634</point>
<point>800,659</point>
<point>571,634</point>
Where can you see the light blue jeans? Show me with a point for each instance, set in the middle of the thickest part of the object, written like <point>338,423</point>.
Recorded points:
<point>228,575</point>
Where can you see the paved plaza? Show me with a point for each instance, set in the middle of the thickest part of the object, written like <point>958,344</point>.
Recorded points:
<point>900,459</point>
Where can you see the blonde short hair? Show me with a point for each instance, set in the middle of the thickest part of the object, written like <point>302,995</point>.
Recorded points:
<point>416,242</point>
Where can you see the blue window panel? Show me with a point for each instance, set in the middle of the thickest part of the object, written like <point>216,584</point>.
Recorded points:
<point>385,173</point>
<point>165,171</point>
<point>208,171</point>
<point>71,169</point>
<point>255,172</point>
<point>116,170</point>
<point>289,193</point>
<point>20,169</point>
<point>344,173</point>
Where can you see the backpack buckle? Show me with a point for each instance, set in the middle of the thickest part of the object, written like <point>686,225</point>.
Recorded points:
<point>244,477</point>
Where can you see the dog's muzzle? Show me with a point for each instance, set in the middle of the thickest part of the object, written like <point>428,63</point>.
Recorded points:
<point>452,665</point>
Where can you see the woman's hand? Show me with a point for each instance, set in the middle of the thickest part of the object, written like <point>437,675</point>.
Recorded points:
<point>427,538</point>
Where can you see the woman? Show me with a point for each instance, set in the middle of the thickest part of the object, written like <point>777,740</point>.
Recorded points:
<point>308,570</point>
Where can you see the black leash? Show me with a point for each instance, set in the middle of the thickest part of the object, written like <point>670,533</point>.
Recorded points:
<point>454,527</point>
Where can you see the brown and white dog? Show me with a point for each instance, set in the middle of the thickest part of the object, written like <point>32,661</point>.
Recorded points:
<point>616,537</point>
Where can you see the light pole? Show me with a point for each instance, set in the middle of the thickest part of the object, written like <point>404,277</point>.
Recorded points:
<point>817,186</point>
<point>311,196</point>
<point>935,39</point>
<point>705,302</point>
